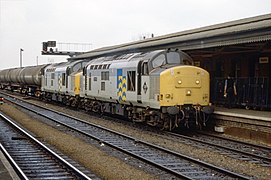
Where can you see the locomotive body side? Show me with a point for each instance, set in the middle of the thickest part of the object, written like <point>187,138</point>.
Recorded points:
<point>106,84</point>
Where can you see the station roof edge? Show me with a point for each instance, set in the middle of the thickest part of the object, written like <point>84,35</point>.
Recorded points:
<point>208,36</point>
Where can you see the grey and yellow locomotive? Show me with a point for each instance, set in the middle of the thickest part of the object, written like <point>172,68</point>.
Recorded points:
<point>161,88</point>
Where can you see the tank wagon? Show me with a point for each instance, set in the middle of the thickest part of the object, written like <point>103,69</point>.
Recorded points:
<point>161,88</point>
<point>26,80</point>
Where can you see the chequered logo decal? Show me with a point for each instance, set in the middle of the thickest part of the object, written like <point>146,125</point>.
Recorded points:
<point>59,82</point>
<point>121,85</point>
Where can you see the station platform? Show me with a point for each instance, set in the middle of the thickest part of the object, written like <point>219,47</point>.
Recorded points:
<point>244,113</point>
<point>248,124</point>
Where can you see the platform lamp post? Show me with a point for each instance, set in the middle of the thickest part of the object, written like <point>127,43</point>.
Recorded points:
<point>21,57</point>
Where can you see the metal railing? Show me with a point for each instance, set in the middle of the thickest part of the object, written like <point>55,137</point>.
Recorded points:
<point>252,92</point>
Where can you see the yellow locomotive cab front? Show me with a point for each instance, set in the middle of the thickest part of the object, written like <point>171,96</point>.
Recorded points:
<point>184,85</point>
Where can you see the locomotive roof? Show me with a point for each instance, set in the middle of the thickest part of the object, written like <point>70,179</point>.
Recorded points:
<point>61,65</point>
<point>125,57</point>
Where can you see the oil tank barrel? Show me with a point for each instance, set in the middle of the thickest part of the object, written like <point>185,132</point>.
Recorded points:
<point>31,75</point>
<point>4,75</point>
<point>14,75</point>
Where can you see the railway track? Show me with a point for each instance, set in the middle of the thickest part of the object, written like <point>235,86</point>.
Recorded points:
<point>260,155</point>
<point>174,163</point>
<point>30,158</point>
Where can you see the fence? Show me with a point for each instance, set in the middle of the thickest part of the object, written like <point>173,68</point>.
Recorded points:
<point>251,92</point>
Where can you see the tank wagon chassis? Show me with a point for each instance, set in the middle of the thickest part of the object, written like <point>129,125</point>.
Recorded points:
<point>160,88</point>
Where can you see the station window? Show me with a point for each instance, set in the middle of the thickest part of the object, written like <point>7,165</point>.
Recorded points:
<point>131,80</point>
<point>92,67</point>
<point>52,75</point>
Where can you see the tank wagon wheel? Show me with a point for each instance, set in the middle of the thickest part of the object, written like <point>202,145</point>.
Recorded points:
<point>24,91</point>
<point>38,94</point>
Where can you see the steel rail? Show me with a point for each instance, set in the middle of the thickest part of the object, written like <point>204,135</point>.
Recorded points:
<point>134,142</point>
<point>77,172</point>
<point>214,144</point>
<point>15,166</point>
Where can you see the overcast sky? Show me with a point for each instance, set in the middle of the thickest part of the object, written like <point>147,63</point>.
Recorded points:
<point>27,23</point>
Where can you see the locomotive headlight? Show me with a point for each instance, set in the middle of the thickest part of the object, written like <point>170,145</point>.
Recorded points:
<point>179,82</point>
<point>197,82</point>
<point>188,92</point>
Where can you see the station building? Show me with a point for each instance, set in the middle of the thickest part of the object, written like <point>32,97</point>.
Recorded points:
<point>241,48</point>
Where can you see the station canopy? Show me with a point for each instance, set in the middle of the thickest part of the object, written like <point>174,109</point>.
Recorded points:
<point>245,31</point>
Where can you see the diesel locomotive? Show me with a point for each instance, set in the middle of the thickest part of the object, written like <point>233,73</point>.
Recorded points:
<point>161,88</point>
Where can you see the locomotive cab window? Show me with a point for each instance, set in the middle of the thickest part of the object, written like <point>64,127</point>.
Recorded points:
<point>173,58</point>
<point>145,68</point>
<point>131,80</point>
<point>159,61</point>
<point>77,67</point>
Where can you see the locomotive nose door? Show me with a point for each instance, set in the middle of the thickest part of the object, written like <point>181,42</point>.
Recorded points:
<point>143,82</point>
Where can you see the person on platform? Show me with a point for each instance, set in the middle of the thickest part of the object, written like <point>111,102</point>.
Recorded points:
<point>230,91</point>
